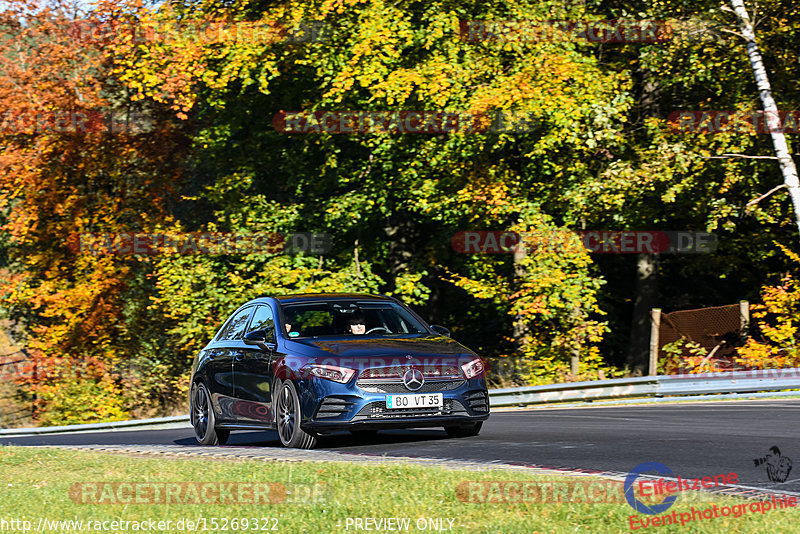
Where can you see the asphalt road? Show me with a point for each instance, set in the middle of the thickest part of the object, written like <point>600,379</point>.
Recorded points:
<point>694,440</point>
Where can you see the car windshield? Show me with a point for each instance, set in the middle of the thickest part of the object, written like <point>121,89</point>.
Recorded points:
<point>338,319</point>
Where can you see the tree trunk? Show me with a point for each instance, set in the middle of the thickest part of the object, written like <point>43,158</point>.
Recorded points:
<point>520,321</point>
<point>646,299</point>
<point>646,296</point>
<point>521,330</point>
<point>788,169</point>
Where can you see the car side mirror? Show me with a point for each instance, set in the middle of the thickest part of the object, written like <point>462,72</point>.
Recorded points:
<point>442,331</point>
<point>258,338</point>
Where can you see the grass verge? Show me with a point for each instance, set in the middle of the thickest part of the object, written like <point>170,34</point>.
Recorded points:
<point>97,488</point>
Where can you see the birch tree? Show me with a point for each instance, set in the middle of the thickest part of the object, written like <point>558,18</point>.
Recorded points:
<point>788,168</point>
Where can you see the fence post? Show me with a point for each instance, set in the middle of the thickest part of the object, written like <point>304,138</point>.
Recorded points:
<point>574,362</point>
<point>655,324</point>
<point>744,316</point>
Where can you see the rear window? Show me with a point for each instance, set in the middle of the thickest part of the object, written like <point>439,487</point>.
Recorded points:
<point>234,329</point>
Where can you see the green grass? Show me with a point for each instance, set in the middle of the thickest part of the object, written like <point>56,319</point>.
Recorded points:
<point>36,483</point>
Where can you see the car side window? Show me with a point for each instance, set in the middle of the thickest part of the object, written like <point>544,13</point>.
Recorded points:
<point>263,319</point>
<point>235,328</point>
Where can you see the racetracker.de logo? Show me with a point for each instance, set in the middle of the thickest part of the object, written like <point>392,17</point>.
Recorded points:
<point>555,491</point>
<point>210,243</point>
<point>73,122</point>
<point>600,242</point>
<point>750,122</point>
<point>592,31</point>
<point>393,368</point>
<point>403,122</point>
<point>207,31</point>
<point>172,493</point>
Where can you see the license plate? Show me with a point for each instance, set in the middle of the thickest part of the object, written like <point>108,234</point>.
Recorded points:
<point>427,400</point>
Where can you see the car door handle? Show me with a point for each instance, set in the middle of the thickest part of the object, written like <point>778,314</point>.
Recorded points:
<point>238,355</point>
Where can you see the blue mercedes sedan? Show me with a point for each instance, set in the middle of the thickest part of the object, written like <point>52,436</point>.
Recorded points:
<point>313,364</point>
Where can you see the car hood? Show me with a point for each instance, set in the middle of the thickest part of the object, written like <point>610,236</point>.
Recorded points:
<point>416,347</point>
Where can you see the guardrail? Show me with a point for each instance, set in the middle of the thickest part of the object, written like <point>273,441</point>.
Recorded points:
<point>649,387</point>
<point>93,427</point>
<point>618,388</point>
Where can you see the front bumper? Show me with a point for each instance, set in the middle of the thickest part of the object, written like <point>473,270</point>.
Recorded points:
<point>330,406</point>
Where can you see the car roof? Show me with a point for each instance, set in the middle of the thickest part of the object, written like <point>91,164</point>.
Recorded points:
<point>310,297</point>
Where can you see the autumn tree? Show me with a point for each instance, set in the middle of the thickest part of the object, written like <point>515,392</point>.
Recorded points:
<point>78,158</point>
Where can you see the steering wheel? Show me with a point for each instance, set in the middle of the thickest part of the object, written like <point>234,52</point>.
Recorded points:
<point>371,330</point>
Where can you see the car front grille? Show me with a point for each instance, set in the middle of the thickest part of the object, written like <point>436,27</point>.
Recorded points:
<point>397,372</point>
<point>390,379</point>
<point>378,410</point>
<point>392,386</point>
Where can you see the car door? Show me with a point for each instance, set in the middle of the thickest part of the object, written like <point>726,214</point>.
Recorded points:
<point>252,374</point>
<point>221,372</point>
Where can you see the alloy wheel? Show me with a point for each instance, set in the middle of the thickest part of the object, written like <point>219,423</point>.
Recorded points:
<point>200,411</point>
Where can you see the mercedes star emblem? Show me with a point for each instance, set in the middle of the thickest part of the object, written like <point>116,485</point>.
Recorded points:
<point>413,379</point>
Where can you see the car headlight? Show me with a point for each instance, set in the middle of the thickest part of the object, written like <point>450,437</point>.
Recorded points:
<point>330,372</point>
<point>473,368</point>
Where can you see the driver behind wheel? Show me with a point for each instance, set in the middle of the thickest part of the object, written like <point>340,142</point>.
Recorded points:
<point>357,325</point>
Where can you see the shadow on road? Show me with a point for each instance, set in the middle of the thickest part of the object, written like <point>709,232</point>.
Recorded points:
<point>340,440</point>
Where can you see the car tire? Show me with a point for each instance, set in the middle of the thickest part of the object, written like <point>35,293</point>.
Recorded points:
<point>463,431</point>
<point>202,418</point>
<point>287,419</point>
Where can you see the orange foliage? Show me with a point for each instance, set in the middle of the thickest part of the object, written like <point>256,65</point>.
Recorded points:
<point>778,322</point>
<point>60,177</point>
